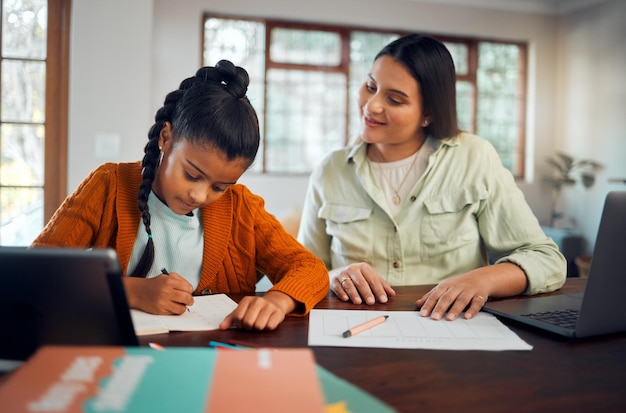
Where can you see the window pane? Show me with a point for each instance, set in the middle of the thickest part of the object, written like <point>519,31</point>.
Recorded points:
<point>465,105</point>
<point>22,149</point>
<point>22,112</point>
<point>306,113</point>
<point>24,28</point>
<point>21,215</point>
<point>240,41</point>
<point>459,54</point>
<point>363,49</point>
<point>305,47</point>
<point>498,99</point>
<point>23,91</point>
<point>243,43</point>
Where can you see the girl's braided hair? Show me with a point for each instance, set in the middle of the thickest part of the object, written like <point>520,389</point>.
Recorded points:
<point>209,109</point>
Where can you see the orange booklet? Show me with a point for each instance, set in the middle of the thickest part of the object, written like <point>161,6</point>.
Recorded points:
<point>138,379</point>
<point>266,380</point>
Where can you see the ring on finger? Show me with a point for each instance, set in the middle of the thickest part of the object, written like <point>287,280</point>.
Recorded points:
<point>343,280</point>
<point>480,297</point>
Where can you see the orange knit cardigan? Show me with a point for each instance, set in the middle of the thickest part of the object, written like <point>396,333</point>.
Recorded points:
<point>241,239</point>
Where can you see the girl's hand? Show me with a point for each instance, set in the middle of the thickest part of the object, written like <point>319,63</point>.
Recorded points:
<point>260,313</point>
<point>163,295</point>
<point>360,283</point>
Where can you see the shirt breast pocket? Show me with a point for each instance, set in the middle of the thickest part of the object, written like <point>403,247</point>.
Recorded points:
<point>350,230</point>
<point>450,221</point>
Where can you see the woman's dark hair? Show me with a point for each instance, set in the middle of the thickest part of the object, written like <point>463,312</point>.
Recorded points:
<point>210,108</point>
<point>431,64</point>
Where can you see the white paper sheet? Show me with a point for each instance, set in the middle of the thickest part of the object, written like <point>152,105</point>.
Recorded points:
<point>409,330</point>
<point>206,313</point>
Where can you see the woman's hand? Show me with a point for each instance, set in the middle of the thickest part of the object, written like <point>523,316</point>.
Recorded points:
<point>360,283</point>
<point>454,295</point>
<point>164,294</point>
<point>470,291</point>
<point>260,313</point>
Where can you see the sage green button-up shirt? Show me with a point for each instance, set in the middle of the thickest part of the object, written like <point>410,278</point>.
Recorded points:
<point>464,212</point>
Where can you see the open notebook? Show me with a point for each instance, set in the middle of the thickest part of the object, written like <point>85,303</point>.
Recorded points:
<point>60,296</point>
<point>601,309</point>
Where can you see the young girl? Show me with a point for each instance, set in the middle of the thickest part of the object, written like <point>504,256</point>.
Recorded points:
<point>416,201</point>
<point>181,225</point>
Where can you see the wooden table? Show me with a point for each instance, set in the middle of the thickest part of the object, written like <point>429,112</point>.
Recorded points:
<point>558,375</point>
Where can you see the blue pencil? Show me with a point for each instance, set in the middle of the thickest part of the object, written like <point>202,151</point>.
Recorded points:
<point>217,344</point>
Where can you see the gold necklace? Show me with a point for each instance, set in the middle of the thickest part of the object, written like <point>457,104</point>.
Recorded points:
<point>397,198</point>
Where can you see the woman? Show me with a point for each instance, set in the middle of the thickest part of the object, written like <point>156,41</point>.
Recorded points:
<point>416,201</point>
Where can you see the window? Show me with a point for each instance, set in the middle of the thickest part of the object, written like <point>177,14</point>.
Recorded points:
<point>304,80</point>
<point>33,113</point>
<point>490,95</point>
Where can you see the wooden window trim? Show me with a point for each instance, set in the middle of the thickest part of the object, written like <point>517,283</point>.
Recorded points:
<point>57,91</point>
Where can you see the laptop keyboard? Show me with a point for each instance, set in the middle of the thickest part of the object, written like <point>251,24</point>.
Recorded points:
<point>561,318</point>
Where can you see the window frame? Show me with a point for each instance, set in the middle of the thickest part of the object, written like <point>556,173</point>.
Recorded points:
<point>344,31</point>
<point>57,103</point>
<point>56,106</point>
<point>55,122</point>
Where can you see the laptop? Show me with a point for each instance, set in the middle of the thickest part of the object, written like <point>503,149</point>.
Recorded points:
<point>601,309</point>
<point>60,296</point>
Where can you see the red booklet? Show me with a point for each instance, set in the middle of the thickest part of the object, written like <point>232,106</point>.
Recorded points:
<point>137,379</point>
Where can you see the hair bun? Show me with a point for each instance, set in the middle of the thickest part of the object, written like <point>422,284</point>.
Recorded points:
<point>234,78</point>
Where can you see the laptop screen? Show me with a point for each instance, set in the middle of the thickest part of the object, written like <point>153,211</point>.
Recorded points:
<point>61,296</point>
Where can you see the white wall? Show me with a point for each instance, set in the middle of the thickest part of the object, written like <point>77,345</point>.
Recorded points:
<point>127,55</point>
<point>592,104</point>
<point>110,81</point>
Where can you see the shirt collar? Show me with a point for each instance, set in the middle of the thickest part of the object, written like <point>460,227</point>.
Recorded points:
<point>358,152</point>
<point>453,141</point>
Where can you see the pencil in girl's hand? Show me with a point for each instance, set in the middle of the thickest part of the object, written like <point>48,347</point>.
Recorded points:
<point>164,271</point>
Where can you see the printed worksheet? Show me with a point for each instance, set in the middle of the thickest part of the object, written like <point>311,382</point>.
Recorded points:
<point>409,330</point>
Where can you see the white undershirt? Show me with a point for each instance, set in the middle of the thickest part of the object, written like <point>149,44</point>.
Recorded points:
<point>178,242</point>
<point>396,171</point>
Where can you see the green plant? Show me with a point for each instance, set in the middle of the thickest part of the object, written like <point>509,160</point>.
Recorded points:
<point>566,171</point>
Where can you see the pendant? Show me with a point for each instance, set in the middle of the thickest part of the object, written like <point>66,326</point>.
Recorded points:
<point>396,199</point>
